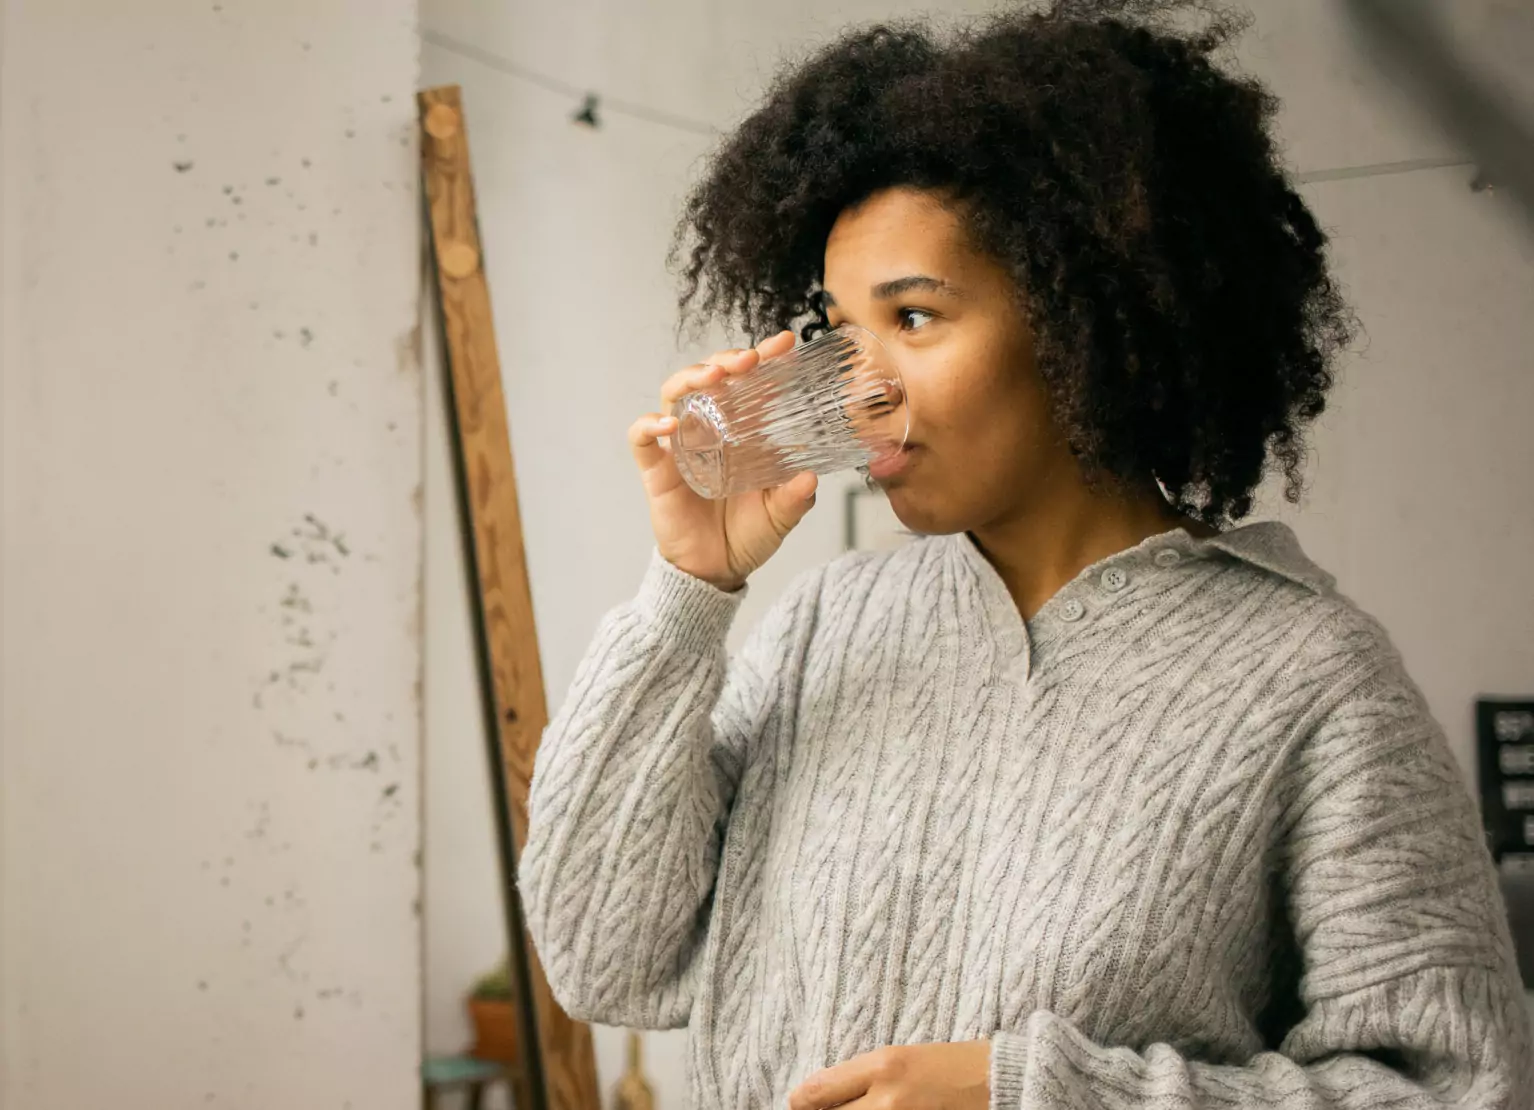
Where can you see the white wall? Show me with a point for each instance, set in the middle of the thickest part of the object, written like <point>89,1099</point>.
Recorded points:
<point>209,614</point>
<point>1419,463</point>
<point>1423,495</point>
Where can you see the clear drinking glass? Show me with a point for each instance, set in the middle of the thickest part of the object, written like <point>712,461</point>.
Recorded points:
<point>834,403</point>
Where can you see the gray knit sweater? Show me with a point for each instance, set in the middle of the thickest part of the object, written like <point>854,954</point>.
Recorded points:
<point>1188,838</point>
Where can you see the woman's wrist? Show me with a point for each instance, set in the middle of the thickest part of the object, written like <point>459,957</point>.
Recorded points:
<point>1009,1070</point>
<point>682,608</point>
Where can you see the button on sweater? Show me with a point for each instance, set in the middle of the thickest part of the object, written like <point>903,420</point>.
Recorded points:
<point>1187,838</point>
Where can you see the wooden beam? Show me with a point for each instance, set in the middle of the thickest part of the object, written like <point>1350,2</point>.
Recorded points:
<point>561,1068</point>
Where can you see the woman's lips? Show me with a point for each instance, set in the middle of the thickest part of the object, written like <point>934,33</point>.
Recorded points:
<point>891,463</point>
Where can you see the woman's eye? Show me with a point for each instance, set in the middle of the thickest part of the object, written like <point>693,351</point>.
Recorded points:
<point>911,319</point>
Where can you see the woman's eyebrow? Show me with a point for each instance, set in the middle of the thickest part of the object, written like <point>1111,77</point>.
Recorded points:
<point>888,290</point>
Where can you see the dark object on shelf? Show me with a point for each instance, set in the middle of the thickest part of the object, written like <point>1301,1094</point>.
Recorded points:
<point>1504,731</point>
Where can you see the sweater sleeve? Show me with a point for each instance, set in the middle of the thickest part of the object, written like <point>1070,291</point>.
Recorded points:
<point>1410,994</point>
<point>631,791</point>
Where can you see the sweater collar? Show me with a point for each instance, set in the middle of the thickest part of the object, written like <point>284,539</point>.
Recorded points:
<point>1268,545</point>
<point>1275,548</point>
<point>1271,547</point>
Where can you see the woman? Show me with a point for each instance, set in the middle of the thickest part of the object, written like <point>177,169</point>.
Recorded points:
<point>1093,798</point>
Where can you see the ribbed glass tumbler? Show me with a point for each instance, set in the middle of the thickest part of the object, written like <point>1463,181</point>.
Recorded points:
<point>834,403</point>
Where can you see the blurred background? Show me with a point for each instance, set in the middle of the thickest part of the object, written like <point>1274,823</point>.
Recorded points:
<point>247,846</point>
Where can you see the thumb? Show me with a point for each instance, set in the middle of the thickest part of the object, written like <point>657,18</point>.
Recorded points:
<point>787,504</point>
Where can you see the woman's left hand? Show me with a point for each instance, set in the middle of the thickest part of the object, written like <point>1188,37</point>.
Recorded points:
<point>917,1077</point>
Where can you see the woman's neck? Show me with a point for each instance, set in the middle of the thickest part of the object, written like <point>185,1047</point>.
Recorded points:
<point>1038,550</point>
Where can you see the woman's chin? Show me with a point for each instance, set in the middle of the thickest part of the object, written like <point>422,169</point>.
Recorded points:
<point>917,514</point>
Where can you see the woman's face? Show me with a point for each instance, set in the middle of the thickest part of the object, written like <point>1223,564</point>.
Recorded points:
<point>981,444</point>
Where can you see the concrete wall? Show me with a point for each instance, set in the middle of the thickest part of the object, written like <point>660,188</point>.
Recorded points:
<point>210,539</point>
<point>1420,497</point>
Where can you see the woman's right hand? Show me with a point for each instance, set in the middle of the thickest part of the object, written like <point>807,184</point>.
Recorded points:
<point>721,542</point>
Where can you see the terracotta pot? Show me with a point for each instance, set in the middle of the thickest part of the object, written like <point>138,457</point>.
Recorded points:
<point>495,1030</point>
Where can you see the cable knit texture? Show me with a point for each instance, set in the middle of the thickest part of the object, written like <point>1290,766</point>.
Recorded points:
<point>1188,838</point>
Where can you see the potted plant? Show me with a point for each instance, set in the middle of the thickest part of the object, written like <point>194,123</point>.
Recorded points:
<point>493,1010</point>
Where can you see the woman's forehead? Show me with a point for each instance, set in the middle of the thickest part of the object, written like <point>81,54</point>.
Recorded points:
<point>893,235</point>
<point>906,239</point>
<point>897,216</point>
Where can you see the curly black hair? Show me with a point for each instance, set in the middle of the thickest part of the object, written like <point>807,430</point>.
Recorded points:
<point>1185,320</point>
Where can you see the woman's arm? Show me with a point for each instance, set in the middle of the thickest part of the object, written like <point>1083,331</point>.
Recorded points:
<point>631,794</point>
<point>1411,995</point>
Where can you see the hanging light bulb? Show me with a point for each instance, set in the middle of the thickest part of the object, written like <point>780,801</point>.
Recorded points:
<point>587,114</point>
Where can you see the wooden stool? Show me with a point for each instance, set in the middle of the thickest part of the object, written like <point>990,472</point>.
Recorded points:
<point>440,1074</point>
